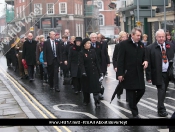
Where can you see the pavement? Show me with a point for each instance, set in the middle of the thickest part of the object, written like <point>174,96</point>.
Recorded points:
<point>11,106</point>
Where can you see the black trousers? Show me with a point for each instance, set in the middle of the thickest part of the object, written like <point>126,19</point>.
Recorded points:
<point>9,61</point>
<point>76,83</point>
<point>87,97</point>
<point>162,92</point>
<point>41,71</point>
<point>53,74</point>
<point>31,71</point>
<point>133,97</point>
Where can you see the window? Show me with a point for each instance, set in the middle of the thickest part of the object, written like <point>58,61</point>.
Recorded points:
<point>50,8</point>
<point>20,12</point>
<point>63,8</point>
<point>46,33</point>
<point>75,9</point>
<point>100,5</point>
<point>82,30</point>
<point>101,20</point>
<point>16,12</point>
<point>23,0</point>
<point>78,9</point>
<point>81,10</point>
<point>23,10</point>
<point>38,9</point>
<point>77,30</point>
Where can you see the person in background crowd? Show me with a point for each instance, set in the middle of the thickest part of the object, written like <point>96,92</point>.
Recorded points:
<point>73,64</point>
<point>131,63</point>
<point>72,39</point>
<point>122,36</point>
<point>144,40</point>
<point>160,56</point>
<point>91,72</point>
<point>37,39</point>
<point>29,55</point>
<point>67,33</point>
<point>169,39</point>
<point>51,52</point>
<point>57,37</point>
<point>39,49</point>
<point>19,49</point>
<point>64,46</point>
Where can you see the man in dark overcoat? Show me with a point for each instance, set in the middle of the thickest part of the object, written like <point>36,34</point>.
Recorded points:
<point>131,64</point>
<point>51,55</point>
<point>160,56</point>
<point>29,55</point>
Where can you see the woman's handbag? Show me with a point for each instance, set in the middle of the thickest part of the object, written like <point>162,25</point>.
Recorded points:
<point>67,81</point>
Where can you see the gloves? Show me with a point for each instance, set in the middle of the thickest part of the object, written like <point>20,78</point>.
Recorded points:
<point>84,74</point>
<point>101,74</point>
<point>101,79</point>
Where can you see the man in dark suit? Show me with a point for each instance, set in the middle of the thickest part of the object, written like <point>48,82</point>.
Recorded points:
<point>160,56</point>
<point>130,68</point>
<point>51,55</point>
<point>64,46</point>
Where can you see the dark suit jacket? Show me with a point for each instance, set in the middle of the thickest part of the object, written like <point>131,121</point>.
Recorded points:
<point>130,60</point>
<point>29,52</point>
<point>64,51</point>
<point>98,51</point>
<point>115,55</point>
<point>154,70</point>
<point>48,53</point>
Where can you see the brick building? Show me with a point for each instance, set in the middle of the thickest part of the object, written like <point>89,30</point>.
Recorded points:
<point>56,15</point>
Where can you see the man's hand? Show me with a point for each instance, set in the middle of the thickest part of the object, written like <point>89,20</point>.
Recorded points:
<point>65,62</point>
<point>115,69</point>
<point>120,78</point>
<point>149,81</point>
<point>145,64</point>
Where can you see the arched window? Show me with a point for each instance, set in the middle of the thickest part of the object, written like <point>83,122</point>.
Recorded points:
<point>101,20</point>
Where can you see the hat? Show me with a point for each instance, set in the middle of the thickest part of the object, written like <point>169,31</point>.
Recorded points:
<point>78,39</point>
<point>22,36</point>
<point>57,34</point>
<point>84,41</point>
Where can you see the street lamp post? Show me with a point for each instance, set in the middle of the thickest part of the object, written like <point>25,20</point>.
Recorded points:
<point>138,10</point>
<point>164,16</point>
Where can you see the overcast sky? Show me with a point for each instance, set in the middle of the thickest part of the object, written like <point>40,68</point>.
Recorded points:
<point>2,6</point>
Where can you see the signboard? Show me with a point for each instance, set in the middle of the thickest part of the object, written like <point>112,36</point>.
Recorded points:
<point>144,13</point>
<point>46,22</point>
<point>148,2</point>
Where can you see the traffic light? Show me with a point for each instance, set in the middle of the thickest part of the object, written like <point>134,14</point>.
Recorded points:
<point>117,20</point>
<point>56,19</point>
<point>37,23</point>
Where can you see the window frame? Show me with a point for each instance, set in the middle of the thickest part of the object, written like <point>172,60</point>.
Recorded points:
<point>100,20</point>
<point>76,8</point>
<point>48,8</point>
<point>65,7</point>
<point>39,7</point>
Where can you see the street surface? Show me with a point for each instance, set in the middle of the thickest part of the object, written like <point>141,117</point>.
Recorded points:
<point>66,104</point>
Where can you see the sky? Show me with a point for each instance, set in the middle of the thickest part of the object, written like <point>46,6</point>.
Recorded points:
<point>2,6</point>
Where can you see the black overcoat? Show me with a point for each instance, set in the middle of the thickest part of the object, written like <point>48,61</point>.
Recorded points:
<point>130,60</point>
<point>29,52</point>
<point>89,64</point>
<point>154,70</point>
<point>73,64</point>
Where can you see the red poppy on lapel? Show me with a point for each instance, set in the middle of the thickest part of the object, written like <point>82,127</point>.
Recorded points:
<point>167,46</point>
<point>86,55</point>
<point>141,46</point>
<point>74,48</point>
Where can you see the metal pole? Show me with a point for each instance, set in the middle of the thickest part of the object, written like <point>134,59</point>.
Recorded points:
<point>137,10</point>
<point>164,16</point>
<point>6,19</point>
<point>31,11</point>
<point>151,8</point>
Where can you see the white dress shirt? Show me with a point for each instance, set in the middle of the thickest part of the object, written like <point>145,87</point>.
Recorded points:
<point>164,65</point>
<point>53,46</point>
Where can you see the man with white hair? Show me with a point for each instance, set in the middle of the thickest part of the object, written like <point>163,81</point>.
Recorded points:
<point>160,55</point>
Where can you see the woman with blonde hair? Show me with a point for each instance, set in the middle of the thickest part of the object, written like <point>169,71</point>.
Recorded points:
<point>144,40</point>
<point>39,49</point>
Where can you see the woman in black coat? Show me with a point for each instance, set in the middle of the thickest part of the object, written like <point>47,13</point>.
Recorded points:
<point>90,70</point>
<point>73,64</point>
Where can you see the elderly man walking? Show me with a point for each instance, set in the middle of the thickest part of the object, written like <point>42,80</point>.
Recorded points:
<point>160,56</point>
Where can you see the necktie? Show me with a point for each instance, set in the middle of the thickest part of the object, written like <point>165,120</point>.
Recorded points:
<point>164,56</point>
<point>93,45</point>
<point>53,48</point>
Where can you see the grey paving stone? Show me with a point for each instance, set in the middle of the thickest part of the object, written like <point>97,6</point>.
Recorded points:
<point>8,106</point>
<point>28,129</point>
<point>1,112</point>
<point>20,115</point>
<point>9,129</point>
<point>12,111</point>
<point>6,96</point>
<point>2,101</point>
<point>10,100</point>
<point>4,92</point>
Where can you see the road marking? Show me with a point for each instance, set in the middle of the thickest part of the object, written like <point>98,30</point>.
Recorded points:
<point>164,103</point>
<point>149,107</point>
<point>24,92</point>
<point>56,107</point>
<point>163,130</point>
<point>170,98</point>
<point>128,111</point>
<point>157,117</point>
<point>151,87</point>
<point>114,110</point>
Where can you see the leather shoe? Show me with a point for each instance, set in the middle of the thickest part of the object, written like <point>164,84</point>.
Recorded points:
<point>57,89</point>
<point>136,117</point>
<point>76,92</point>
<point>163,114</point>
<point>85,104</point>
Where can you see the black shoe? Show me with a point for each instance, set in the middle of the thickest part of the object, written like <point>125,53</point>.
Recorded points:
<point>85,104</point>
<point>162,114</point>
<point>76,92</point>
<point>118,96</point>
<point>97,103</point>
<point>51,88</point>
<point>101,97</point>
<point>30,80</point>
<point>57,89</point>
<point>79,91</point>
<point>136,117</point>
